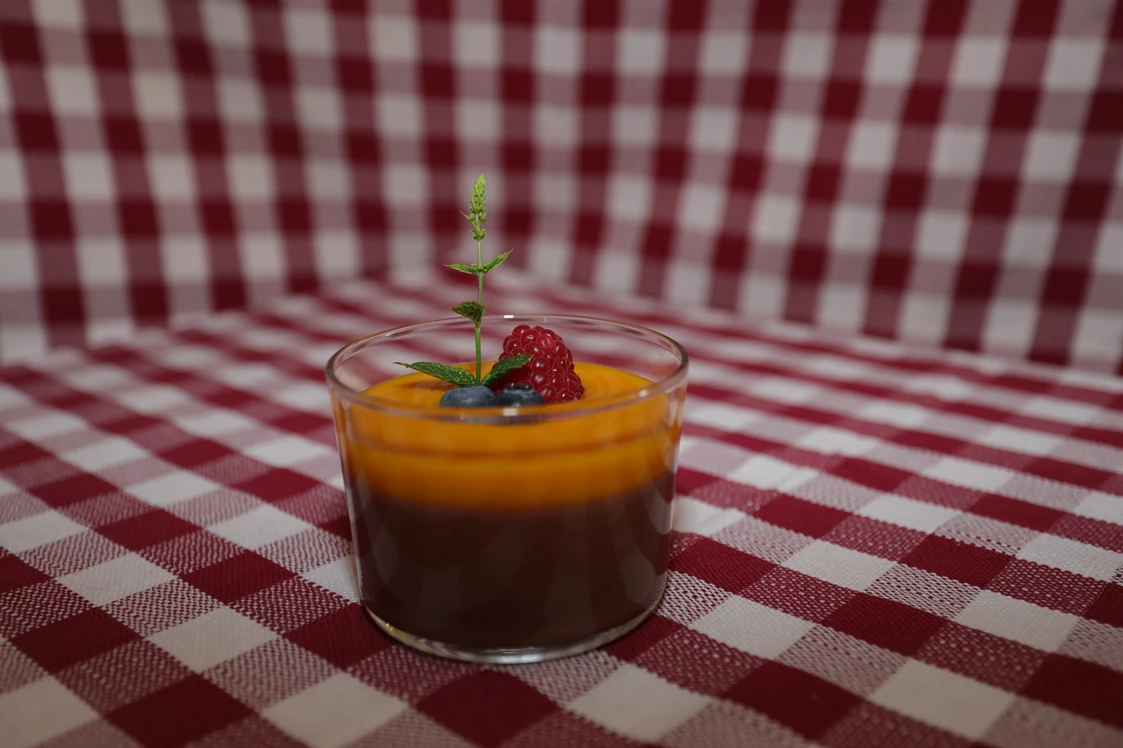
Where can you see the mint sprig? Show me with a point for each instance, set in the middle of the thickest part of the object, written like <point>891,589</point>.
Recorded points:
<point>474,310</point>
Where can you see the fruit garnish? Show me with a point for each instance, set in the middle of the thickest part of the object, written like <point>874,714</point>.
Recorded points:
<point>473,310</point>
<point>550,369</point>
<point>518,395</point>
<point>473,396</point>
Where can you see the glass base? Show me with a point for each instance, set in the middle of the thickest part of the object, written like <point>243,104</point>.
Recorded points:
<point>509,655</point>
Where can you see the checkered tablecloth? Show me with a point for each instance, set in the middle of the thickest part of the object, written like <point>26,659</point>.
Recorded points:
<point>873,547</point>
<point>945,172</point>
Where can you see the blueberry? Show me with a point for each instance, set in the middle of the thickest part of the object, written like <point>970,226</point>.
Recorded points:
<point>475,396</point>
<point>518,395</point>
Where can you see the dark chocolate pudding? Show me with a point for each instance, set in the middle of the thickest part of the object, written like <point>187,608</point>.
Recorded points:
<point>512,576</point>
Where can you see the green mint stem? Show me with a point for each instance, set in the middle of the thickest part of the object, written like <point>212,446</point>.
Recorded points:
<point>479,300</point>
<point>476,216</point>
<point>474,310</point>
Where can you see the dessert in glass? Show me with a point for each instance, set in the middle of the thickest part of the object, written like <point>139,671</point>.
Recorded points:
<point>511,534</point>
<point>515,507</point>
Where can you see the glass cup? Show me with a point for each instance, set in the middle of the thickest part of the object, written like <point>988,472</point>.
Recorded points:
<point>507,535</point>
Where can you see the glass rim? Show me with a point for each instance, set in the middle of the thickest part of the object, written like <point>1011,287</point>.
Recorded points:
<point>508,415</point>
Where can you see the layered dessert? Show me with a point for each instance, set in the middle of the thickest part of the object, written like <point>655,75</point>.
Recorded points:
<point>515,509</point>
<point>521,534</point>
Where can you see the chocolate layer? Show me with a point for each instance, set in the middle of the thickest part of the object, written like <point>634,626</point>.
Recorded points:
<point>511,577</point>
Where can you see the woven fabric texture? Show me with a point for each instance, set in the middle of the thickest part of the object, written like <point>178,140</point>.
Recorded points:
<point>872,547</point>
<point>942,172</point>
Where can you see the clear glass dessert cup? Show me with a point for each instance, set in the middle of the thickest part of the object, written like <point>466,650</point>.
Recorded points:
<point>508,535</point>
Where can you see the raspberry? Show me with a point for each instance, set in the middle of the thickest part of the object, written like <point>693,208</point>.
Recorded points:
<point>550,369</point>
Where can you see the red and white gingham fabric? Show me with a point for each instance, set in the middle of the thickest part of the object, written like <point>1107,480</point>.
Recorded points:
<point>873,547</point>
<point>944,172</point>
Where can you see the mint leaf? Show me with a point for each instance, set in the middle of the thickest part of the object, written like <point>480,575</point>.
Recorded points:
<point>477,268</point>
<point>494,263</point>
<point>454,374</point>
<point>504,365</point>
<point>476,198</point>
<point>473,310</point>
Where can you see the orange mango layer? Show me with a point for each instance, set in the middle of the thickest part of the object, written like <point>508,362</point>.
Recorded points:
<point>463,463</point>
